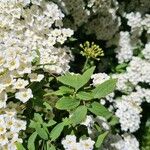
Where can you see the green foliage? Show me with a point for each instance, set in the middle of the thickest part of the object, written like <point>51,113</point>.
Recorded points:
<point>104,89</point>
<point>100,139</point>
<point>67,103</point>
<point>76,80</point>
<point>99,110</point>
<point>79,115</point>
<point>55,133</point>
<point>77,98</point>
<point>31,141</point>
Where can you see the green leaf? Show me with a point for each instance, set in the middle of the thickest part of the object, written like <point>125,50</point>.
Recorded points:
<point>50,123</point>
<point>79,115</point>
<point>100,110</point>
<point>101,139</point>
<point>19,146</point>
<point>114,120</point>
<point>76,80</point>
<point>31,140</point>
<point>41,132</point>
<point>56,131</point>
<point>84,95</point>
<point>67,103</point>
<point>33,124</point>
<point>48,107</point>
<point>38,118</point>
<point>65,89</point>
<point>87,76</point>
<point>105,88</point>
<point>70,80</point>
<point>51,148</point>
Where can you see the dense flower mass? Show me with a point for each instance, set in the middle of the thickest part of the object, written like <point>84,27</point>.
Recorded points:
<point>74,74</point>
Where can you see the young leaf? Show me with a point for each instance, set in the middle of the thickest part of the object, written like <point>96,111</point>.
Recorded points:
<point>55,133</point>
<point>84,95</point>
<point>100,110</point>
<point>41,132</point>
<point>31,141</point>
<point>105,88</point>
<point>79,115</point>
<point>67,103</point>
<point>19,146</point>
<point>100,139</point>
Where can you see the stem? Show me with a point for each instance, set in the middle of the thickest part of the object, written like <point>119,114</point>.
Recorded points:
<point>85,64</point>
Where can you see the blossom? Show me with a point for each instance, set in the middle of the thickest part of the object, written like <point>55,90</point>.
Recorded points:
<point>99,78</point>
<point>87,144</point>
<point>24,95</point>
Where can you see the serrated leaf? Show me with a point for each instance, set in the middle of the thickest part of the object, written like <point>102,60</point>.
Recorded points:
<point>41,132</point>
<point>79,115</point>
<point>19,146</point>
<point>31,140</point>
<point>100,110</point>
<point>67,103</point>
<point>101,139</point>
<point>84,95</point>
<point>105,88</point>
<point>56,131</point>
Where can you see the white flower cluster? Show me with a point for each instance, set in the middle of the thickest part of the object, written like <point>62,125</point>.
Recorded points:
<point>128,113</point>
<point>128,142</point>
<point>124,50</point>
<point>70,143</point>
<point>10,126</point>
<point>146,51</point>
<point>137,22</point>
<point>99,78</point>
<point>38,27</point>
<point>97,16</point>
<point>90,121</point>
<point>28,33</point>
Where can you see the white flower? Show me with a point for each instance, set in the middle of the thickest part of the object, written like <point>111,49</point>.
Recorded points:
<point>69,139</point>
<point>3,99</point>
<point>129,142</point>
<point>12,64</point>
<point>124,50</point>
<point>128,113</point>
<point>34,77</point>
<point>3,140</point>
<point>146,51</point>
<point>18,125</point>
<point>2,129</point>
<point>87,144</point>
<point>99,78</point>
<point>20,84</point>
<point>24,95</point>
